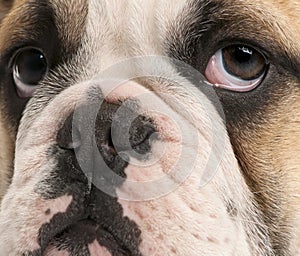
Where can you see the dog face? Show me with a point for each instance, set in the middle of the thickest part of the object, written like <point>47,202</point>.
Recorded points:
<point>115,128</point>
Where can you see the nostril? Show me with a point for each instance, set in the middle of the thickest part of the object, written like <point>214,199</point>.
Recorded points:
<point>68,137</point>
<point>142,132</point>
<point>125,138</point>
<point>109,139</point>
<point>108,142</point>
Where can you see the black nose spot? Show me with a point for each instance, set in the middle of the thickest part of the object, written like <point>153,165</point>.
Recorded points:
<point>113,134</point>
<point>95,212</point>
<point>116,133</point>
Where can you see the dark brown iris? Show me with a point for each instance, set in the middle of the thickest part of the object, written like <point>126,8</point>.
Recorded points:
<point>244,62</point>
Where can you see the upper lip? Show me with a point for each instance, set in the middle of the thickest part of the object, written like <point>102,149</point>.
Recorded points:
<point>90,218</point>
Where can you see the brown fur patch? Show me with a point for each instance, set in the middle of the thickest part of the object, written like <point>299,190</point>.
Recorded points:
<point>7,140</point>
<point>5,6</point>
<point>269,156</point>
<point>17,24</point>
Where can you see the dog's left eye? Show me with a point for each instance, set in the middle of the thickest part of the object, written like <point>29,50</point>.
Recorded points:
<point>29,68</point>
<point>237,68</point>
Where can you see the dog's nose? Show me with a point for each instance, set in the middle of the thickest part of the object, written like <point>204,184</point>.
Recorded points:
<point>113,131</point>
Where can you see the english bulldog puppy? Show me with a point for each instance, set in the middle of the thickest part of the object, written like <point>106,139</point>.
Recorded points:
<point>149,127</point>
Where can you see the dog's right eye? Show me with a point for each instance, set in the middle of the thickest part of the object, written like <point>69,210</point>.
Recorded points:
<point>29,67</point>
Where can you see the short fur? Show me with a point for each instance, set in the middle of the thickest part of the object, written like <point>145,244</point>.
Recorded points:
<point>89,36</point>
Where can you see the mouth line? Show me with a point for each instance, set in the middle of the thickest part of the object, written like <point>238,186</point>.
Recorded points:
<point>82,233</point>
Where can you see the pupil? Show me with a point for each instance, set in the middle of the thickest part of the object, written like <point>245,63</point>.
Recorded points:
<point>31,67</point>
<point>242,54</point>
